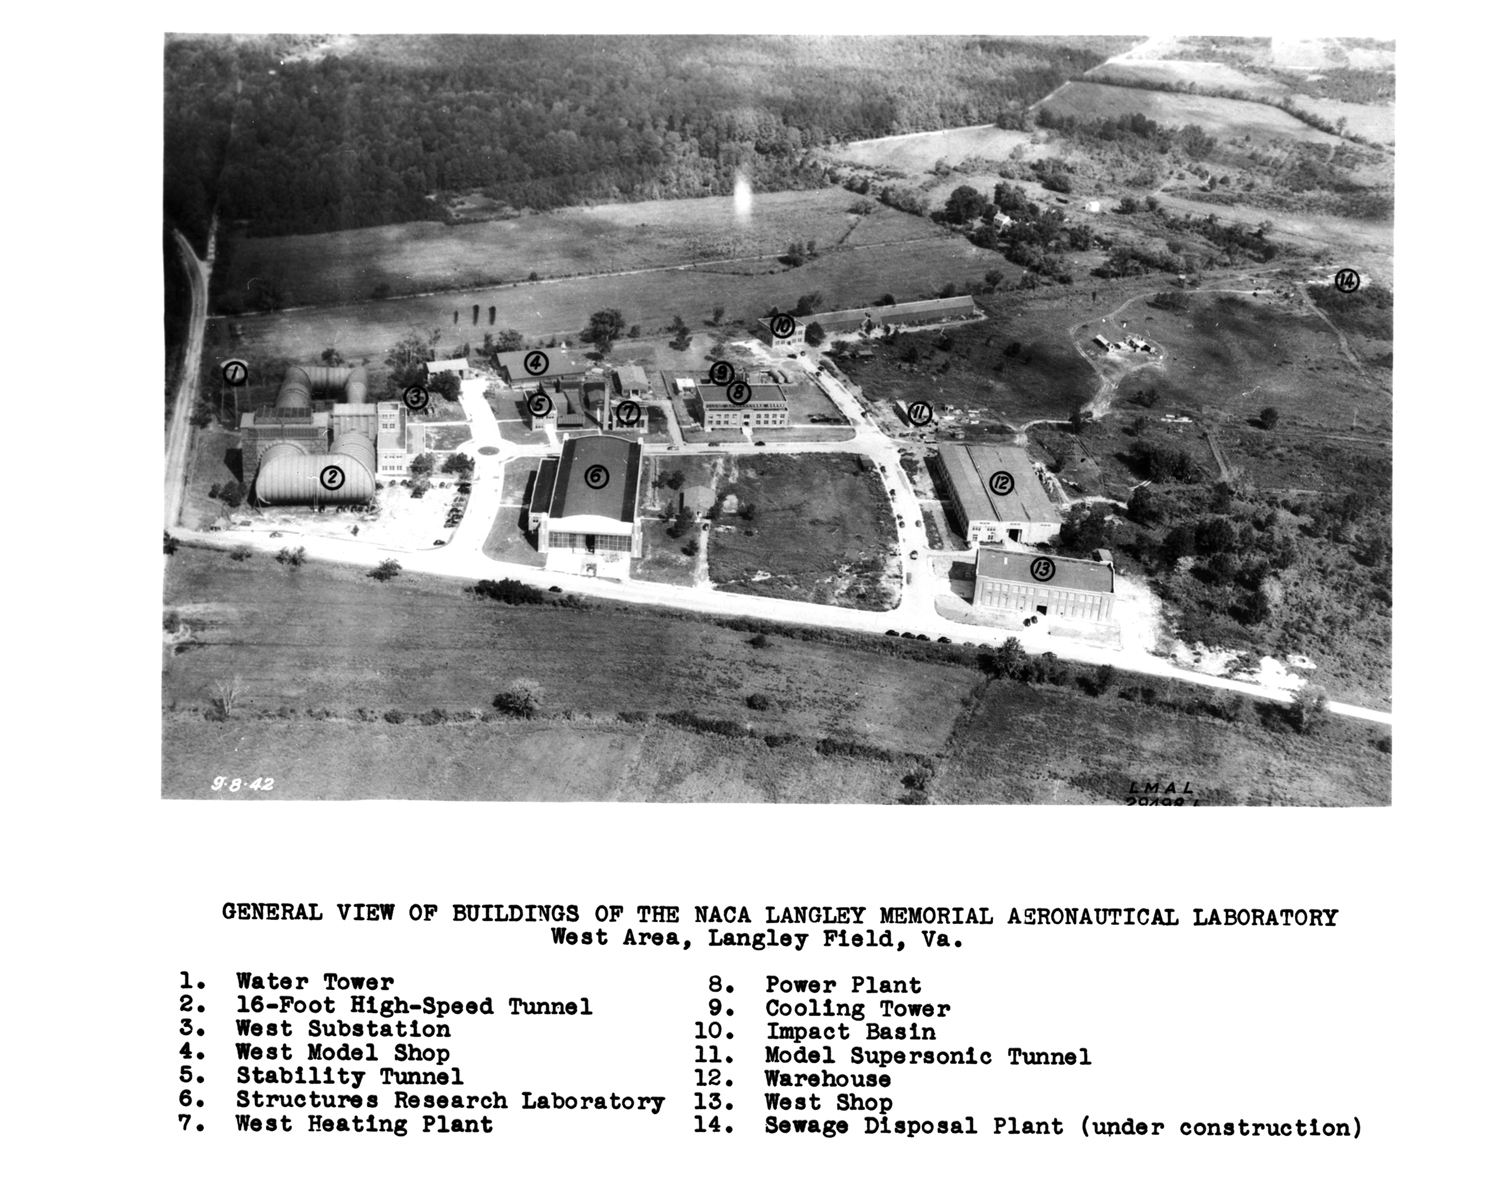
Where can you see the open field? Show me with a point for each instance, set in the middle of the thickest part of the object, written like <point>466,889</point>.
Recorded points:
<point>846,278</point>
<point>353,648</point>
<point>507,537</point>
<point>332,268</point>
<point>1182,72</point>
<point>1024,746</point>
<point>822,531</point>
<point>417,643</point>
<point>1222,119</point>
<point>917,153</point>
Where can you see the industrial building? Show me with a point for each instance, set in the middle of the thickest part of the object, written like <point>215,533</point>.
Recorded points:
<point>921,311</point>
<point>576,404</point>
<point>561,366</point>
<point>996,493</point>
<point>583,507</point>
<point>304,453</point>
<point>793,340</point>
<point>631,382</point>
<point>1007,579</point>
<point>457,366</point>
<point>766,408</point>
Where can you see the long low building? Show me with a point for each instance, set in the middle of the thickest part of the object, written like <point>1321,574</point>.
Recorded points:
<point>583,506</point>
<point>521,367</point>
<point>920,311</point>
<point>997,494</point>
<point>1007,579</point>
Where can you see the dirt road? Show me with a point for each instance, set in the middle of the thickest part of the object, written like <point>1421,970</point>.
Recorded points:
<point>179,432</point>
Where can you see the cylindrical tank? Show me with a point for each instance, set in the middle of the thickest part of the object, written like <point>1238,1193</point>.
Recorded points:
<point>296,391</point>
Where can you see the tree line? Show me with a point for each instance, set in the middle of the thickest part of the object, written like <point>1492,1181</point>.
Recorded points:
<point>368,138</point>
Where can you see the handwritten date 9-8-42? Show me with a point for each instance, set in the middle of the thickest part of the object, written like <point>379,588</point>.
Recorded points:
<point>233,785</point>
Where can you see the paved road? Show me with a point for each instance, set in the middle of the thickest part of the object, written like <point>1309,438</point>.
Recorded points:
<point>463,558</point>
<point>180,431</point>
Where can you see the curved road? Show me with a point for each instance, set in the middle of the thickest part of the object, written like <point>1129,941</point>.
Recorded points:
<point>180,431</point>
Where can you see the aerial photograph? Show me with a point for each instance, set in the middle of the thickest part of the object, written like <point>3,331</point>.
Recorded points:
<point>911,420</point>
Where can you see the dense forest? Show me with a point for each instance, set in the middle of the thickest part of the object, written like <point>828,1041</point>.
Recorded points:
<point>368,135</point>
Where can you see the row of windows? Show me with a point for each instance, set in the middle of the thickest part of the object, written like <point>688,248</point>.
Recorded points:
<point>588,543</point>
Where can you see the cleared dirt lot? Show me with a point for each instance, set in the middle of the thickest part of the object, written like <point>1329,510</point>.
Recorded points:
<point>822,531</point>
<point>917,153</point>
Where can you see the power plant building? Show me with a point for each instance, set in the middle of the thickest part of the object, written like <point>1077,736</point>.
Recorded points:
<point>583,507</point>
<point>766,407</point>
<point>1007,579</point>
<point>996,494</point>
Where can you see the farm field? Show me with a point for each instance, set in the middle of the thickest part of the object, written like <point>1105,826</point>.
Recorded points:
<point>1181,71</point>
<point>1219,118</point>
<point>366,331</point>
<point>1025,746</point>
<point>354,647</point>
<point>307,668</point>
<point>822,531</point>
<point>333,268</point>
<point>917,153</point>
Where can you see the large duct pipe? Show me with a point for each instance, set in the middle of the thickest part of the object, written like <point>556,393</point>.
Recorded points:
<point>296,391</point>
<point>356,386</point>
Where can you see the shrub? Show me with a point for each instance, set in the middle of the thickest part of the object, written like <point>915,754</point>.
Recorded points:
<point>521,698</point>
<point>758,702</point>
<point>386,570</point>
<point>395,716</point>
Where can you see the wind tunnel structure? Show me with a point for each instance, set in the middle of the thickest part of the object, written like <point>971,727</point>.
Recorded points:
<point>345,474</point>
<point>290,470</point>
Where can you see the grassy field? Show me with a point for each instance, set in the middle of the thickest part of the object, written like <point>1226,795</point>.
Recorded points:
<point>822,531</point>
<point>917,153</point>
<point>507,538</point>
<point>446,437</point>
<point>309,668</point>
<point>1222,119</point>
<point>332,268</point>
<point>1026,746</point>
<point>847,277</point>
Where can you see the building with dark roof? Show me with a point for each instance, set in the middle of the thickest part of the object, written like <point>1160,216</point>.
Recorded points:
<point>1007,579</point>
<point>996,493</point>
<point>583,506</point>
<point>554,363</point>
<point>766,406</point>
<point>906,315</point>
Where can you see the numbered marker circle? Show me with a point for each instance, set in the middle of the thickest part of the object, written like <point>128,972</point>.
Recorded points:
<point>1042,569</point>
<point>536,362</point>
<point>1346,281</point>
<point>331,478</point>
<point>738,393</point>
<point>721,374</point>
<point>628,413</point>
<point>919,413</point>
<point>783,326</point>
<point>596,477</point>
<point>416,398</point>
<point>235,372</point>
<point>539,404</point>
<point>1002,482</point>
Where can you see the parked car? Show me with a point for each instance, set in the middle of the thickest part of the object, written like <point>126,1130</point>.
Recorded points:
<point>760,443</point>
<point>892,632</point>
<point>439,541</point>
<point>274,535</point>
<point>944,640</point>
<point>555,589</point>
<point>923,636</point>
<point>907,636</point>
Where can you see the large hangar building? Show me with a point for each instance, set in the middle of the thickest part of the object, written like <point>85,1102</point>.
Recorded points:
<point>583,507</point>
<point>996,493</point>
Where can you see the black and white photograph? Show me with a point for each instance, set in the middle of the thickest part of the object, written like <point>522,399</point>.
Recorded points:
<point>917,419</point>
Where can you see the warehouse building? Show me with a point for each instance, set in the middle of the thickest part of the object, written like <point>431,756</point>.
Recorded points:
<point>457,366</point>
<point>996,494</point>
<point>906,315</point>
<point>631,382</point>
<point>1007,579</point>
<point>766,408</point>
<point>560,365</point>
<point>583,507</point>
